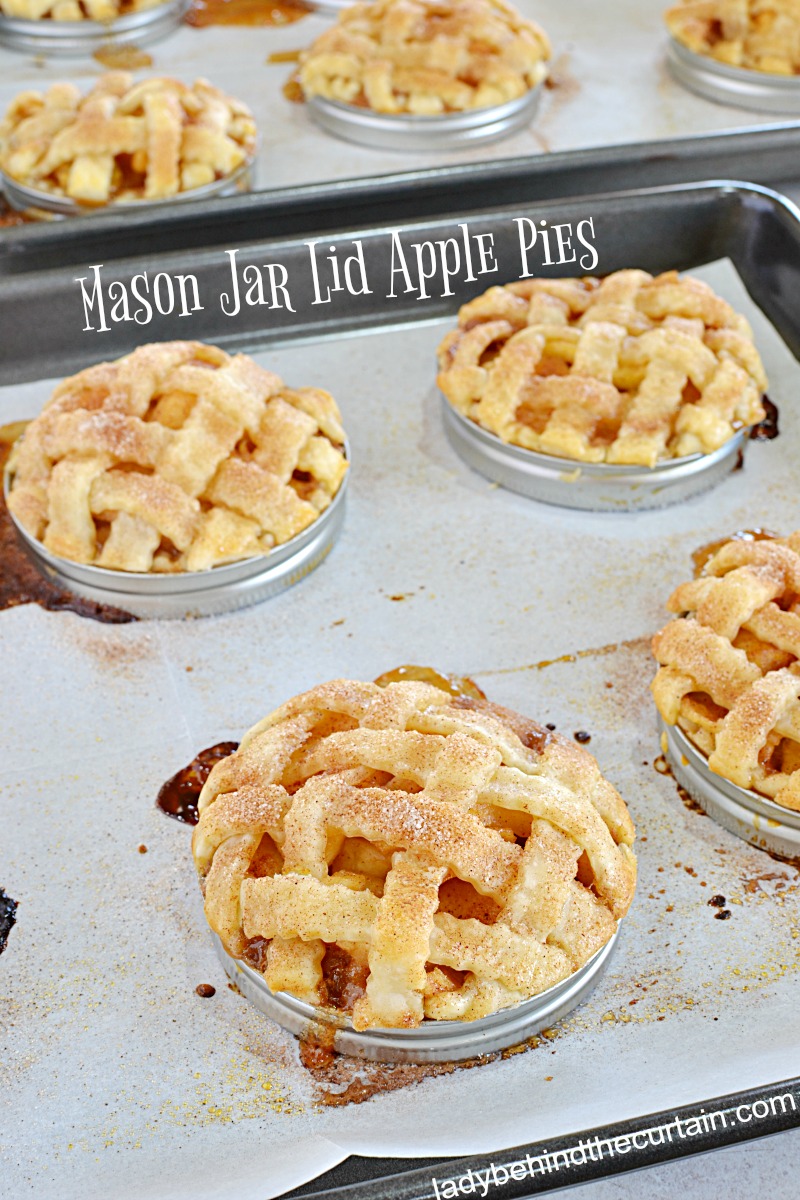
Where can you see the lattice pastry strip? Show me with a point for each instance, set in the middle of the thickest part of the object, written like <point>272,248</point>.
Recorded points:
<point>630,369</point>
<point>125,141</point>
<point>760,35</point>
<point>176,457</point>
<point>426,57</point>
<point>729,671</point>
<point>461,855</point>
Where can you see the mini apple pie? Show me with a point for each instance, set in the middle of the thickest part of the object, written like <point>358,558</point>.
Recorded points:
<point>448,856</point>
<point>760,35</point>
<point>729,673</point>
<point>125,141</point>
<point>177,457</point>
<point>426,57</point>
<point>629,369</point>
<point>73,10</point>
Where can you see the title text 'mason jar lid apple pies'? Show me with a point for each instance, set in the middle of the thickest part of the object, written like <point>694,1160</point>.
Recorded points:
<point>628,392</point>
<point>728,687</point>
<point>425,74</point>
<point>422,873</point>
<point>179,480</point>
<point>740,52</point>
<point>149,142</point>
<point>81,27</point>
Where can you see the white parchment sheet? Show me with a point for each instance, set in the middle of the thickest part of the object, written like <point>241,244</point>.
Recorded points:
<point>611,86</point>
<point>117,1079</point>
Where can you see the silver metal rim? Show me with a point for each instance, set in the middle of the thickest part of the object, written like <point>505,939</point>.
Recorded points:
<point>34,201</point>
<point>331,7</point>
<point>756,90</point>
<point>749,815</point>
<point>196,593</point>
<point>433,1041</point>
<point>595,487</point>
<point>82,37</point>
<point>402,131</point>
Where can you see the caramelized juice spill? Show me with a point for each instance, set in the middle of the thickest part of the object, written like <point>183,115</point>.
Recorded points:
<point>122,58</point>
<point>245,12</point>
<point>703,554</point>
<point>455,685</point>
<point>767,429</point>
<point>20,581</point>
<point>177,798</point>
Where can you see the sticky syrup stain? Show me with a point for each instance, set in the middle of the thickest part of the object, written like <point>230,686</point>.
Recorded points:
<point>703,554</point>
<point>177,798</point>
<point>123,58</point>
<point>203,13</point>
<point>767,429</point>
<point>8,917</point>
<point>591,652</point>
<point>455,685</point>
<point>20,580</point>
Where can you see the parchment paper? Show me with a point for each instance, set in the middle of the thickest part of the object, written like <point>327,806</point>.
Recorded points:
<point>117,1079</point>
<point>611,86</point>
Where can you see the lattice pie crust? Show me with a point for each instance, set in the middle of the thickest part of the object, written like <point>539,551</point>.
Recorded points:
<point>730,666</point>
<point>762,35</point>
<point>426,56</point>
<point>74,10</point>
<point>629,369</point>
<point>177,457</point>
<point>125,140</point>
<point>461,855</point>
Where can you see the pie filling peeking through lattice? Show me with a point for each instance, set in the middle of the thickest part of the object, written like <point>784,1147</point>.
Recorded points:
<point>759,35</point>
<point>729,673</point>
<point>401,853</point>
<point>124,141</point>
<point>426,57</point>
<point>630,369</point>
<point>74,10</point>
<point>177,457</point>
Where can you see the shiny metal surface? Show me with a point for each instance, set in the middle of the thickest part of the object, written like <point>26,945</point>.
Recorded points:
<point>596,487</point>
<point>405,132</point>
<point>753,817</point>
<point>433,1041</point>
<point>83,37</point>
<point>756,90</point>
<point>196,593</point>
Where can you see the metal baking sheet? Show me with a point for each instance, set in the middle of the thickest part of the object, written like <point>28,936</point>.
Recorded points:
<point>610,86</point>
<point>118,1078</point>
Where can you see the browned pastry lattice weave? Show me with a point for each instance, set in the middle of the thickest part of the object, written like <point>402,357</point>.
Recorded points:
<point>761,35</point>
<point>125,141</point>
<point>426,56</point>
<point>730,665</point>
<point>629,369</point>
<point>74,10</point>
<point>461,854</point>
<point>177,457</point>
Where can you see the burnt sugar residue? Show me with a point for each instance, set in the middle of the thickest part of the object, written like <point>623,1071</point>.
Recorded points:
<point>8,918</point>
<point>767,429</point>
<point>21,582</point>
<point>203,13</point>
<point>177,798</point>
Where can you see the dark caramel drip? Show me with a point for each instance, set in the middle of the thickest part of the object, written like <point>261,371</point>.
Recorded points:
<point>345,979</point>
<point>767,429</point>
<point>245,12</point>
<point>8,918</point>
<point>21,582</point>
<point>454,685</point>
<point>177,798</point>
<point>703,554</point>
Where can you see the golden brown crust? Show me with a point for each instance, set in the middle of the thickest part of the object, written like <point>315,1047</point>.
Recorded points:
<point>759,35</point>
<point>465,855</point>
<point>426,56</point>
<point>74,10</point>
<point>177,457</point>
<point>125,141</point>
<point>729,672</point>
<point>630,369</point>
